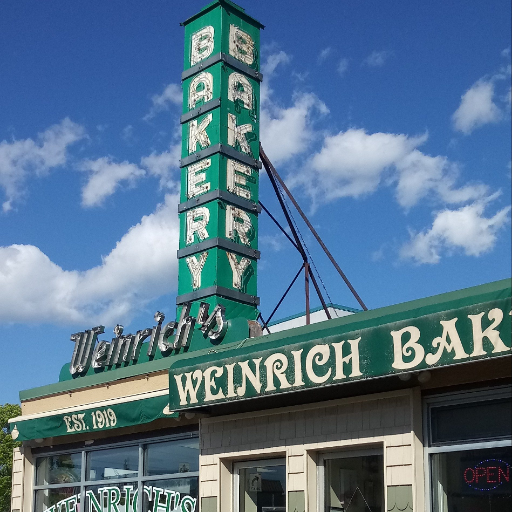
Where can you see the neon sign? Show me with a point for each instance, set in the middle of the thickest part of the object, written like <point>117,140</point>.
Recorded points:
<point>112,499</point>
<point>125,349</point>
<point>487,475</point>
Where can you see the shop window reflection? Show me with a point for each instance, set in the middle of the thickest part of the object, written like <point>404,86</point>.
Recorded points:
<point>119,497</point>
<point>262,488</point>
<point>171,494</point>
<point>113,464</point>
<point>179,456</point>
<point>59,469</point>
<point>47,498</point>
<point>143,476</point>
<point>354,484</point>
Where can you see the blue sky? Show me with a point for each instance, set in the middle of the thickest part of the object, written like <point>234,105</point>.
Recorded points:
<point>390,121</point>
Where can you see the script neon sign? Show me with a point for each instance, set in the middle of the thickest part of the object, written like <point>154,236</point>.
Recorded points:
<point>112,499</point>
<point>126,348</point>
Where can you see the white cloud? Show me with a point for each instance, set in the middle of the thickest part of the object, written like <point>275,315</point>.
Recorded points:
<point>351,163</point>
<point>377,59</point>
<point>268,69</point>
<point>105,177</point>
<point>324,54</point>
<point>273,242</point>
<point>171,95</point>
<point>342,66</point>
<point>127,134</point>
<point>273,61</point>
<point>287,132</point>
<point>162,164</point>
<point>141,267</point>
<point>420,174</point>
<point>355,163</point>
<point>477,107</point>
<point>465,229</point>
<point>20,159</point>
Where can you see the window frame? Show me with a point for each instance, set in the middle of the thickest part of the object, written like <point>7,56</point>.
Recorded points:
<point>456,398</point>
<point>279,461</point>
<point>344,453</point>
<point>140,479</point>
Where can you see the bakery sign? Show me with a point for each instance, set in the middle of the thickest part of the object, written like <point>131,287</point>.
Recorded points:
<point>329,358</point>
<point>126,349</point>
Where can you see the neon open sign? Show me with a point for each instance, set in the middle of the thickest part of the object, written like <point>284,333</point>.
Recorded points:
<point>487,475</point>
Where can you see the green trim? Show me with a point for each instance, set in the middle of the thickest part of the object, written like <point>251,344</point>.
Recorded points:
<point>92,418</point>
<point>391,341</point>
<point>314,310</point>
<point>228,5</point>
<point>362,320</point>
<point>95,380</point>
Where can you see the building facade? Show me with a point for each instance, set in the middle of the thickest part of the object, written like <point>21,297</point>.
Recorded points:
<point>319,417</point>
<point>403,408</point>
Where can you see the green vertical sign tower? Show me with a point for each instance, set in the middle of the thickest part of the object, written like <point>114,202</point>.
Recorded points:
<point>219,207</point>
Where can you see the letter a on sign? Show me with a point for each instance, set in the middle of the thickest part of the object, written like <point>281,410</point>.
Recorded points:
<point>239,88</point>
<point>197,93</point>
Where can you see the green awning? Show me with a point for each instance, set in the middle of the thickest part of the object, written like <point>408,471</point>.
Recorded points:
<point>107,415</point>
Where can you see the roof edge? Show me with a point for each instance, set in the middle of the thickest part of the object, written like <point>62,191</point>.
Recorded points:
<point>434,303</point>
<point>228,5</point>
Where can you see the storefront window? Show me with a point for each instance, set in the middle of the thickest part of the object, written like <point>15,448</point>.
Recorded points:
<point>113,464</point>
<point>172,457</point>
<point>353,482</point>
<point>115,497</point>
<point>56,498</point>
<point>472,480</point>
<point>146,476</point>
<point>171,494</point>
<point>59,469</point>
<point>469,451</point>
<point>260,486</point>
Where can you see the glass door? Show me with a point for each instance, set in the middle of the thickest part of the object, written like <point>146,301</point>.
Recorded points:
<point>260,486</point>
<point>351,481</point>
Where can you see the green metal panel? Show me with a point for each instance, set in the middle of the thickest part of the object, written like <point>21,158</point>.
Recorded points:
<point>220,16</point>
<point>220,147</point>
<point>217,225</point>
<point>200,351</point>
<point>93,419</point>
<point>220,77</point>
<point>209,504</point>
<point>216,175</point>
<point>400,498</point>
<point>324,356</point>
<point>296,501</point>
<point>217,272</point>
<point>218,129</point>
